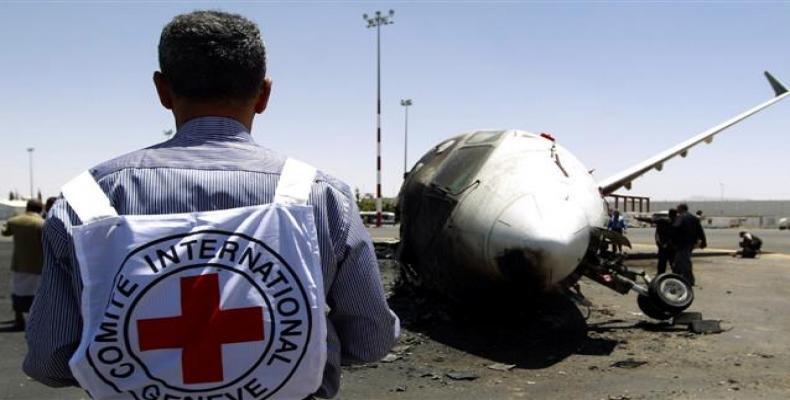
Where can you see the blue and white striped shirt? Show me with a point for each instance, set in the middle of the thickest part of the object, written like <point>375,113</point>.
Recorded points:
<point>213,163</point>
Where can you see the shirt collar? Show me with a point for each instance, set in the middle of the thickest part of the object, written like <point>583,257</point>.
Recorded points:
<point>212,129</point>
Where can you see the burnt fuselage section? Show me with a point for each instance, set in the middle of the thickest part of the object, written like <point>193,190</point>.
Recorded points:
<point>496,210</point>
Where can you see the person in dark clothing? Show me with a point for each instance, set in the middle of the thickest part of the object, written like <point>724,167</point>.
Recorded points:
<point>687,234</point>
<point>26,261</point>
<point>750,245</point>
<point>616,224</point>
<point>663,236</point>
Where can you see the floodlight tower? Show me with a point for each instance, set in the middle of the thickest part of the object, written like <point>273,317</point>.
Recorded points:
<point>406,103</point>
<point>376,21</point>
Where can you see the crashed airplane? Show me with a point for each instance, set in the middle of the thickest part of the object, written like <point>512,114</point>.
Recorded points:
<point>511,211</point>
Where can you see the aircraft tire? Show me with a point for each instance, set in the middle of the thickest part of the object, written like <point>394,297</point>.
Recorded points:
<point>671,293</point>
<point>652,310</point>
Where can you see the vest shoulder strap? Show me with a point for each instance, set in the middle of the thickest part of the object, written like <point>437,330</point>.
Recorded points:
<point>87,199</point>
<point>296,180</point>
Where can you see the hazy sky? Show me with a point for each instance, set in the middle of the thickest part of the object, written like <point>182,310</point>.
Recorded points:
<point>615,82</point>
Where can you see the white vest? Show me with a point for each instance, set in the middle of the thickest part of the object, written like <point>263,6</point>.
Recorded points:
<point>224,304</point>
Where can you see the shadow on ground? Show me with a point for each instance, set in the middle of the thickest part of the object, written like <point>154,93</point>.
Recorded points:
<point>531,337</point>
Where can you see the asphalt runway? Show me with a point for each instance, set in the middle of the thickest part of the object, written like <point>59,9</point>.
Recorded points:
<point>748,362</point>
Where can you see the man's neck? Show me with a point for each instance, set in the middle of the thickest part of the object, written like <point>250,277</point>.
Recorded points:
<point>181,119</point>
<point>184,111</point>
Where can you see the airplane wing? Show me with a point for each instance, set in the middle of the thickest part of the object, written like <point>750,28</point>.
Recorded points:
<point>624,178</point>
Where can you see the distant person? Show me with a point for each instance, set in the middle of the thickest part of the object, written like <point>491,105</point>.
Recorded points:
<point>228,270</point>
<point>617,224</point>
<point>26,261</point>
<point>664,238</point>
<point>750,245</point>
<point>48,205</point>
<point>687,234</point>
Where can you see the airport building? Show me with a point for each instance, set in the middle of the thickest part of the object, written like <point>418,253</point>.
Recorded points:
<point>742,213</point>
<point>718,213</point>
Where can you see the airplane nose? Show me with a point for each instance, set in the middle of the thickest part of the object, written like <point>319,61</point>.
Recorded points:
<point>539,239</point>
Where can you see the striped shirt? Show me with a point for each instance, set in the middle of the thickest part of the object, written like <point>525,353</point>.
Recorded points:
<point>213,163</point>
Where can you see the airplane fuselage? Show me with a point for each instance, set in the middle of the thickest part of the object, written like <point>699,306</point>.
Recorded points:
<point>494,209</point>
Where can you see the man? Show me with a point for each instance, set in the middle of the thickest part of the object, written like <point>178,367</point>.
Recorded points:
<point>688,233</point>
<point>750,245</point>
<point>663,237</point>
<point>212,78</point>
<point>616,224</point>
<point>26,260</point>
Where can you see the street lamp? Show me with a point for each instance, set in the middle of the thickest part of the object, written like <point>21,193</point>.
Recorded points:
<point>405,103</point>
<point>30,162</point>
<point>721,184</point>
<point>376,21</point>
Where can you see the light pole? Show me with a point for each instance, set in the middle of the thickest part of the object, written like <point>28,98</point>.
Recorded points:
<point>721,184</point>
<point>406,103</point>
<point>376,21</point>
<point>30,162</point>
<point>721,203</point>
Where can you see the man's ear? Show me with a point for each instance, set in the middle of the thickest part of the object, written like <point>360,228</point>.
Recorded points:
<point>163,90</point>
<point>263,97</point>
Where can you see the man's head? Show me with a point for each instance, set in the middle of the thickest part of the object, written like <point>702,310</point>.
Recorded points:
<point>212,63</point>
<point>50,202</point>
<point>615,213</point>
<point>683,208</point>
<point>672,214</point>
<point>34,206</point>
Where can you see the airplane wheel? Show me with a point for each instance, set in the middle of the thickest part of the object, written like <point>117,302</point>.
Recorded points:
<point>671,293</point>
<point>651,309</point>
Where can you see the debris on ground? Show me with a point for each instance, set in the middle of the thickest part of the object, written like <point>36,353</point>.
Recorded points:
<point>706,326</point>
<point>687,318</point>
<point>761,355</point>
<point>501,367</point>
<point>402,348</point>
<point>391,358</point>
<point>462,376</point>
<point>629,363</point>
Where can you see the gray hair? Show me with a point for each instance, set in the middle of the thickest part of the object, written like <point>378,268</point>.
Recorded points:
<point>212,55</point>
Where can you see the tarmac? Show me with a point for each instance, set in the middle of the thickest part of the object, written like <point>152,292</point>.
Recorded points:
<point>559,350</point>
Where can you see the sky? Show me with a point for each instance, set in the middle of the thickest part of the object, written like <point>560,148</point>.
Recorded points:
<point>614,82</point>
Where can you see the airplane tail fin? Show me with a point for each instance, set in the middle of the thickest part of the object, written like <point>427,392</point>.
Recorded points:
<point>779,88</point>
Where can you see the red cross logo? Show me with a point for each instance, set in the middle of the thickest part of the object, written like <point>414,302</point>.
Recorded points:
<point>201,329</point>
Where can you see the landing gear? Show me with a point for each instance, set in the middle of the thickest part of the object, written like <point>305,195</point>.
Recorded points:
<point>667,296</point>
<point>651,309</point>
<point>662,297</point>
<point>671,292</point>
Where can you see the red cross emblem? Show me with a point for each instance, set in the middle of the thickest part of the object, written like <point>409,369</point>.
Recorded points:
<point>201,329</point>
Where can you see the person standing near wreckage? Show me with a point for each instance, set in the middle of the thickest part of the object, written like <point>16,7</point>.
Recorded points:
<point>687,234</point>
<point>664,239</point>
<point>207,266</point>
<point>26,261</point>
